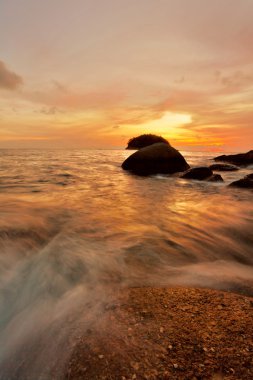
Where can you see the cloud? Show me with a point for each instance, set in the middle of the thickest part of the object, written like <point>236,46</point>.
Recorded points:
<point>235,81</point>
<point>50,111</point>
<point>8,79</point>
<point>61,96</point>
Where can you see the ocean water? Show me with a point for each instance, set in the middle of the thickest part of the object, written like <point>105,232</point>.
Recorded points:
<point>74,227</point>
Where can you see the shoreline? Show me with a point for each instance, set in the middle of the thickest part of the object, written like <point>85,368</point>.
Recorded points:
<point>168,333</point>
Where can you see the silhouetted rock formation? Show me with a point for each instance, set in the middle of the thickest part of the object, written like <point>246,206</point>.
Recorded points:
<point>215,178</point>
<point>200,173</point>
<point>244,183</point>
<point>156,158</point>
<point>240,159</point>
<point>145,140</point>
<point>223,167</point>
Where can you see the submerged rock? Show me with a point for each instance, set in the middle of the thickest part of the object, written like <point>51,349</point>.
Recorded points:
<point>223,167</point>
<point>156,158</point>
<point>240,159</point>
<point>145,140</point>
<point>200,173</point>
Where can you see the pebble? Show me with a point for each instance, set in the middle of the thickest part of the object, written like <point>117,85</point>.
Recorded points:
<point>101,356</point>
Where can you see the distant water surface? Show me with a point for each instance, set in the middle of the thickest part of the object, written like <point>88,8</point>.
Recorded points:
<point>74,226</point>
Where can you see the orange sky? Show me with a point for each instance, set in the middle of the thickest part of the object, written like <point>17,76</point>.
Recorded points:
<point>94,73</point>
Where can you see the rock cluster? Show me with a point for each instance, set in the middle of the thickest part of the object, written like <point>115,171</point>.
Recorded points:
<point>162,158</point>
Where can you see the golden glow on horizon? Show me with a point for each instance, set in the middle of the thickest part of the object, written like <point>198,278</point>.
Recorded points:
<point>167,121</point>
<point>144,72</point>
<point>167,125</point>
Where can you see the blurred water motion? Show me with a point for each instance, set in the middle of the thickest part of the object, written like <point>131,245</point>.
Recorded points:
<point>73,226</point>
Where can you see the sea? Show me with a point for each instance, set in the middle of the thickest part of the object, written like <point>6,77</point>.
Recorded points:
<point>75,228</point>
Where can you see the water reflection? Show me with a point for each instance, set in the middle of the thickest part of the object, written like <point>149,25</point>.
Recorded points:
<point>73,226</point>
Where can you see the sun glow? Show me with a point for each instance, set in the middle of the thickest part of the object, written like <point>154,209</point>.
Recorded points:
<point>167,125</point>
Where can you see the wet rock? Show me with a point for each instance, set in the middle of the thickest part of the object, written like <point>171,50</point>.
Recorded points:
<point>223,167</point>
<point>156,158</point>
<point>243,183</point>
<point>241,159</point>
<point>215,178</point>
<point>200,173</point>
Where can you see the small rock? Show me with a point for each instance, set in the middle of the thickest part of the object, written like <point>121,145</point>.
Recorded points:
<point>241,159</point>
<point>101,356</point>
<point>223,167</point>
<point>199,173</point>
<point>245,183</point>
<point>215,178</point>
<point>249,176</point>
<point>175,366</point>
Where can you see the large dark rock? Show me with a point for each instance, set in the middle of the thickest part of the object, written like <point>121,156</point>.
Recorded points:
<point>223,167</point>
<point>145,140</point>
<point>250,176</point>
<point>241,159</point>
<point>156,158</point>
<point>244,183</point>
<point>200,173</point>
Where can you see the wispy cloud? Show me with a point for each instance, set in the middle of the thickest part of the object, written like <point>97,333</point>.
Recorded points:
<point>61,96</point>
<point>8,79</point>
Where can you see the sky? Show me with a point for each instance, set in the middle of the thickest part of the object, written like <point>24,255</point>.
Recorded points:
<point>94,73</point>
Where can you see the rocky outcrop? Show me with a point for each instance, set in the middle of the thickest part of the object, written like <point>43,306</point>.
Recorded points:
<point>200,173</point>
<point>156,158</point>
<point>145,140</point>
<point>241,159</point>
<point>223,167</point>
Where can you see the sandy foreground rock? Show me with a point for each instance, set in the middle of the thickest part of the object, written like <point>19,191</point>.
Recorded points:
<point>168,333</point>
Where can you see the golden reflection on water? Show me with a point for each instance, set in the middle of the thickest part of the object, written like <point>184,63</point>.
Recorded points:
<point>73,226</point>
